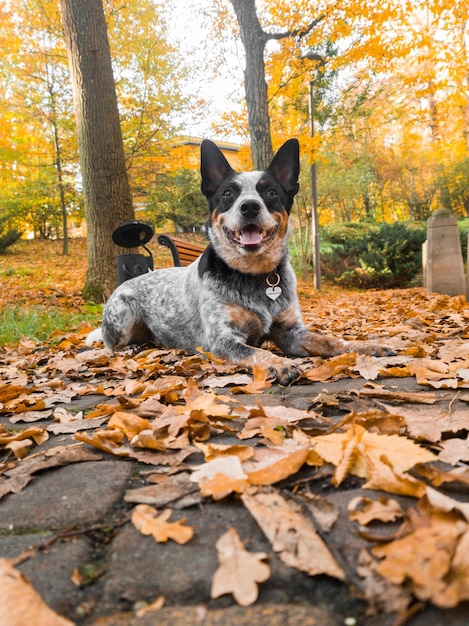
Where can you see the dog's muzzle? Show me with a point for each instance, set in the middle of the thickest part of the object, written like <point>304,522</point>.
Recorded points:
<point>250,236</point>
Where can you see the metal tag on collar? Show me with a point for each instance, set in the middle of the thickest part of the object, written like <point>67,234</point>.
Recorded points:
<point>273,290</point>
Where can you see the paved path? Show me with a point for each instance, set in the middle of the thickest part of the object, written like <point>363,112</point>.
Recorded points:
<point>78,520</point>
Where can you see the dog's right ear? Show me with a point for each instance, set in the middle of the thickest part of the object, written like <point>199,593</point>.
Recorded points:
<point>214,168</point>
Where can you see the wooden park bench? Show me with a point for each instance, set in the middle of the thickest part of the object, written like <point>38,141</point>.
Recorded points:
<point>184,252</point>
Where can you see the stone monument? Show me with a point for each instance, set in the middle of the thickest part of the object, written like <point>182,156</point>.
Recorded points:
<point>442,258</point>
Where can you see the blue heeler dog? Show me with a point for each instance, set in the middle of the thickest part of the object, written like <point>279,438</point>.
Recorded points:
<point>241,291</point>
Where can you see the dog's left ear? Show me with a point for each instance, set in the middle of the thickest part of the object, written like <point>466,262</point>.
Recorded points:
<point>214,168</point>
<point>285,166</point>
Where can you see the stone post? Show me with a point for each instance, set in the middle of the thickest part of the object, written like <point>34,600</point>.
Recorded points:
<point>445,267</point>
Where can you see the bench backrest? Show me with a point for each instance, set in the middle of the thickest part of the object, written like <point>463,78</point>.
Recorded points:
<point>184,253</point>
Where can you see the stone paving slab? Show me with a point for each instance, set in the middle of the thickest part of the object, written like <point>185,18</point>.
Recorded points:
<point>121,569</point>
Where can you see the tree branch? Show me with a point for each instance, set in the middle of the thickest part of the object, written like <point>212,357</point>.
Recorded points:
<point>297,32</point>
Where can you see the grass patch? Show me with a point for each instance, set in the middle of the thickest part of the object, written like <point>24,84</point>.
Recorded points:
<point>37,323</point>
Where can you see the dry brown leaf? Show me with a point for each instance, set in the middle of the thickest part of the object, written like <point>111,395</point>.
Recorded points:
<point>429,423</point>
<point>145,520</point>
<point>21,604</point>
<point>291,534</point>
<point>215,450</point>
<point>324,511</point>
<point>382,594</point>
<point>239,570</point>
<point>260,382</point>
<point>270,465</point>
<point>454,450</point>
<point>365,510</point>
<point>107,440</point>
<point>351,452</point>
<point>220,477</point>
<point>423,557</point>
<point>15,479</point>
<point>156,605</point>
<point>367,366</point>
<point>177,490</point>
<point>372,390</point>
<point>333,368</point>
<point>382,475</point>
<point>128,423</point>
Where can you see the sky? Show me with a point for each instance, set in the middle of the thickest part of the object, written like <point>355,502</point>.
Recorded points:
<point>190,33</point>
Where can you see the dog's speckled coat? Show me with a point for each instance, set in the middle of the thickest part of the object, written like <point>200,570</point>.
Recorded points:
<point>220,303</point>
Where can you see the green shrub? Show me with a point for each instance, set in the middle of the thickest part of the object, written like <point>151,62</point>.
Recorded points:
<point>372,255</point>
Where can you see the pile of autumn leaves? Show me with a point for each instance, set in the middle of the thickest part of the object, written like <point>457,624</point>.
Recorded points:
<point>159,407</point>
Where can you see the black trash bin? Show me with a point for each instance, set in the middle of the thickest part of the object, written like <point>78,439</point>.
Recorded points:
<point>133,234</point>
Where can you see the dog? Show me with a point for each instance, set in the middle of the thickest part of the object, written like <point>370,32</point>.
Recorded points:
<point>242,290</point>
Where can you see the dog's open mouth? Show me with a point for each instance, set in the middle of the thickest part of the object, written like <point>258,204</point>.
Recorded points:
<point>250,236</point>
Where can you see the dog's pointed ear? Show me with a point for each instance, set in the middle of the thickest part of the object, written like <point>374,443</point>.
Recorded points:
<point>214,168</point>
<point>285,166</point>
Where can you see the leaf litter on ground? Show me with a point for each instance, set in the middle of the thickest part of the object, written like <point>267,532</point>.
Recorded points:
<point>165,408</point>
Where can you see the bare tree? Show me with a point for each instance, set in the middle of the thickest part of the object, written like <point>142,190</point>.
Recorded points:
<point>254,39</point>
<point>106,191</point>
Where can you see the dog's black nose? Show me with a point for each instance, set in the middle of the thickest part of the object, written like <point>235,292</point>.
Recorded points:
<point>250,209</point>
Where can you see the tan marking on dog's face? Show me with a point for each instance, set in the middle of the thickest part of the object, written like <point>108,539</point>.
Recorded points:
<point>266,256</point>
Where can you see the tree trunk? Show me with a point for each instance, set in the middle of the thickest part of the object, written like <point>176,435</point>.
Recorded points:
<point>106,191</point>
<point>254,40</point>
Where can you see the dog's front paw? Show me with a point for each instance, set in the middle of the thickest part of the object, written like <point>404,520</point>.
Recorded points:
<point>371,349</point>
<point>382,351</point>
<point>284,371</point>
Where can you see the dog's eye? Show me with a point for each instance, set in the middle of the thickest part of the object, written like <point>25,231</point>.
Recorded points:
<point>227,193</point>
<point>271,193</point>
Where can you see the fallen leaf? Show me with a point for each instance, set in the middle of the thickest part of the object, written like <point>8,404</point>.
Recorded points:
<point>21,604</point>
<point>145,520</point>
<point>423,557</point>
<point>156,605</point>
<point>365,510</point>
<point>239,570</point>
<point>367,366</point>
<point>291,534</point>
<point>350,451</point>
<point>332,369</point>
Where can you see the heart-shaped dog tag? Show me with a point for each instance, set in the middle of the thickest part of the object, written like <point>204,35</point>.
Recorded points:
<point>273,292</point>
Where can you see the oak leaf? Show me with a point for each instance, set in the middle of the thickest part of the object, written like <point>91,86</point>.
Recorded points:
<point>146,521</point>
<point>239,570</point>
<point>365,510</point>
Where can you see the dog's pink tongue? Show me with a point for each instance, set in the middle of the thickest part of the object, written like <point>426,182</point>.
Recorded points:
<point>250,236</point>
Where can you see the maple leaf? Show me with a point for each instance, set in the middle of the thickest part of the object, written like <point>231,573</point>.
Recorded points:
<point>21,604</point>
<point>291,534</point>
<point>239,570</point>
<point>146,521</point>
